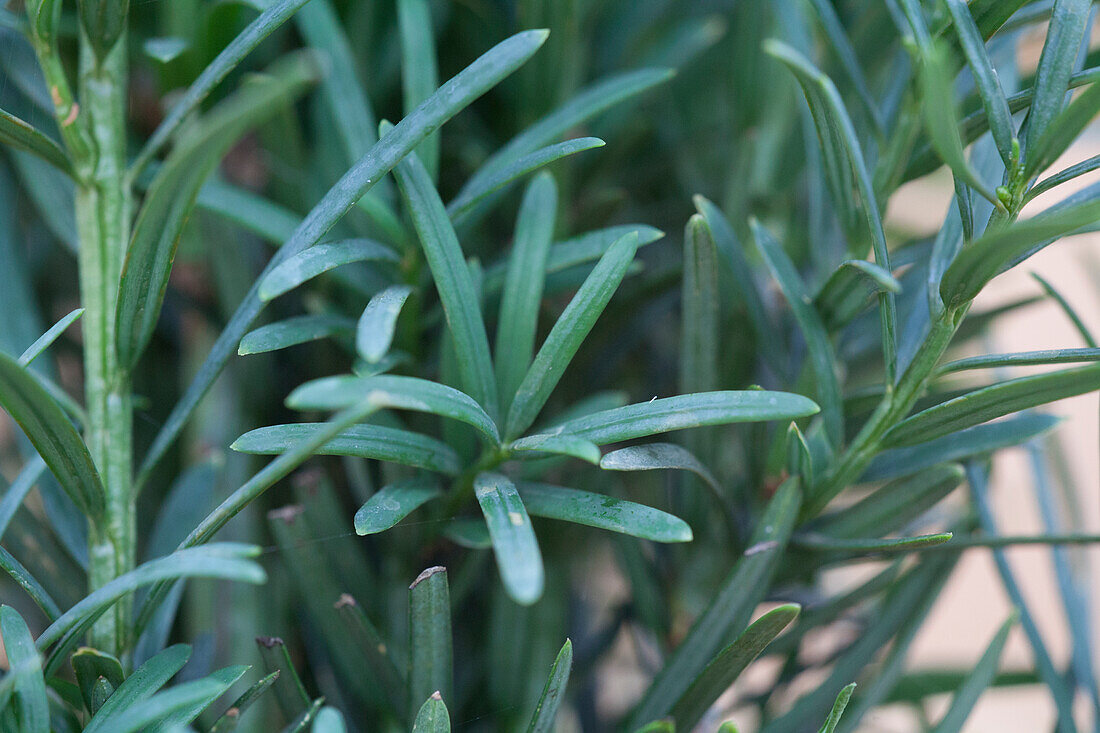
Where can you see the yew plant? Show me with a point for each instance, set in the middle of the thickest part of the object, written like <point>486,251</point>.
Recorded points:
<point>367,322</point>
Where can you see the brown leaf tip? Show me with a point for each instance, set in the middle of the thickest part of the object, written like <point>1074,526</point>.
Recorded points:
<point>287,513</point>
<point>427,574</point>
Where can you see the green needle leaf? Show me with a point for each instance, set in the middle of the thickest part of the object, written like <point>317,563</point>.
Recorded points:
<point>584,105</point>
<point>1062,131</point>
<point>374,334</point>
<point>821,543</point>
<point>468,199</point>
<point>940,115</point>
<point>23,136</point>
<point>393,503</point>
<point>228,721</point>
<point>419,76</point>
<point>835,714</point>
<point>894,506</point>
<point>519,306</point>
<point>433,716</point>
<point>25,665</point>
<point>985,76</point>
<point>849,289</point>
<point>378,442</point>
<point>659,456</point>
<point>430,646</point>
<point>44,341</point>
<point>29,584</point>
<point>603,512</point>
<point>700,309</point>
<point>564,445</point>
<point>376,653</point>
<point>91,665</point>
<point>176,706</point>
<point>320,259</point>
<point>453,281</point>
<point>846,174</point>
<point>292,332</point>
<point>1056,64</point>
<point>290,693</point>
<point>999,250</point>
<point>685,411</point>
<point>991,402</point>
<point>575,251</point>
<point>389,391</point>
<point>976,441</point>
<point>730,608</point>
<point>570,330</point>
<point>52,435</point>
<point>547,708</point>
<point>141,684</point>
<point>514,545</point>
<point>1020,358</point>
<point>724,669</point>
<point>821,354</point>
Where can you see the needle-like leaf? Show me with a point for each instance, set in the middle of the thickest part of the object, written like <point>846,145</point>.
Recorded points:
<point>430,645</point>
<point>393,503</point>
<point>452,280</point>
<point>320,259</point>
<point>44,341</point>
<point>463,205</point>
<point>1056,65</point>
<point>52,435</point>
<point>377,324</point>
<point>985,76</point>
<point>519,305</point>
<point>23,136</point>
<point>724,669</point>
<point>976,683</point>
<point>820,348</point>
<point>569,331</point>
<point>603,512</point>
<point>24,663</point>
<point>294,331</point>
<point>365,441</point>
<point>729,609</point>
<point>991,402</point>
<point>514,543</point>
<point>405,393</point>
<point>419,76</point>
<point>547,708</point>
<point>685,411</point>
<point>433,716</point>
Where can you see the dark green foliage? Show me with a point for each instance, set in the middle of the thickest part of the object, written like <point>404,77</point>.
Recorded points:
<point>458,349</point>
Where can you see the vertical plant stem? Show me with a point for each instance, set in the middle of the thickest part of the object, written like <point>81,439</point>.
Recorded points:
<point>103,207</point>
<point>895,405</point>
